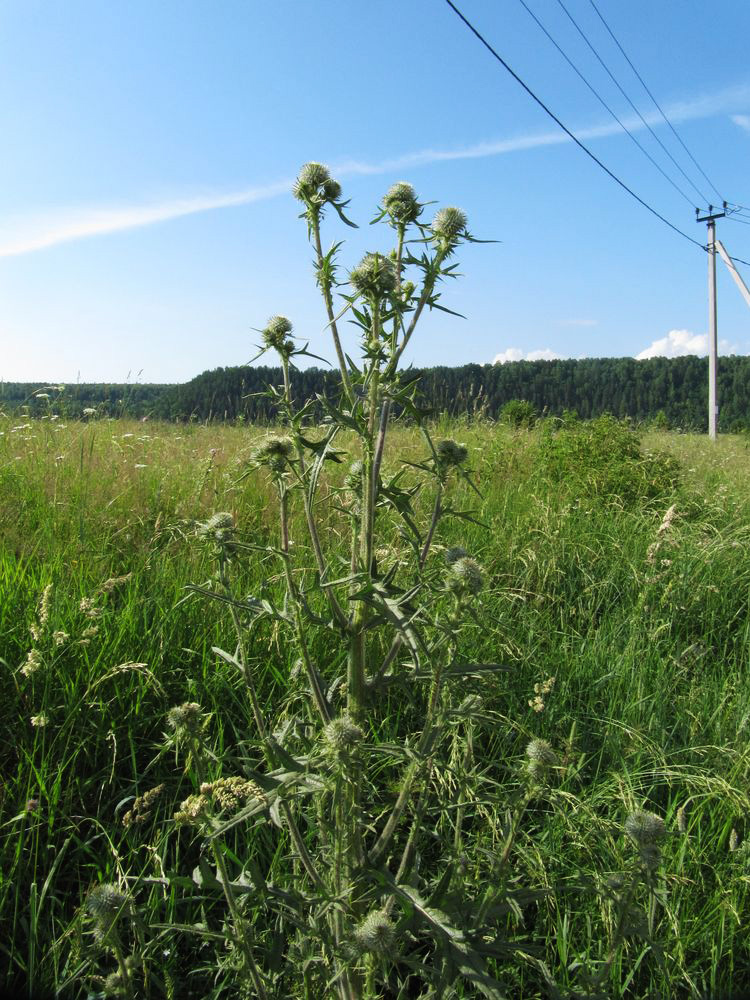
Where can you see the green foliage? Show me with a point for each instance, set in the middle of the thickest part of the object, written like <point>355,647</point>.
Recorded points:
<point>518,413</point>
<point>604,458</point>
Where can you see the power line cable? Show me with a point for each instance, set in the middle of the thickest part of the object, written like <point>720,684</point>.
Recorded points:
<point>616,82</point>
<point>604,104</point>
<point>658,106</point>
<point>567,131</point>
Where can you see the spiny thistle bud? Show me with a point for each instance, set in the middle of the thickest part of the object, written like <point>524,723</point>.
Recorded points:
<point>274,452</point>
<point>342,734</point>
<point>186,719</point>
<point>540,752</point>
<point>645,829</point>
<point>332,190</point>
<point>450,453</point>
<point>275,335</point>
<point>219,527</point>
<point>105,904</point>
<point>353,478</point>
<point>454,553</point>
<point>448,226</point>
<point>374,276</point>
<point>466,577</point>
<point>310,180</point>
<point>376,933</point>
<point>401,204</point>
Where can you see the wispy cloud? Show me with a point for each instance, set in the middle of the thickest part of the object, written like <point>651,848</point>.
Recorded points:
<point>679,343</point>
<point>37,232</point>
<point>743,121</point>
<point>580,322</point>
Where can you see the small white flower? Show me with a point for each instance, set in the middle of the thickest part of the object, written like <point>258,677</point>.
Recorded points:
<point>39,721</point>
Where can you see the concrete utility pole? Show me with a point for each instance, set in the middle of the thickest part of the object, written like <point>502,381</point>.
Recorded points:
<point>713,404</point>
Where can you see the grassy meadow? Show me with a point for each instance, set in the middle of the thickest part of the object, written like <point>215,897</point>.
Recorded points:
<point>618,582</point>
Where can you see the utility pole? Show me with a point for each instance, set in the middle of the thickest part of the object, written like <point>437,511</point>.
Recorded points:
<point>713,406</point>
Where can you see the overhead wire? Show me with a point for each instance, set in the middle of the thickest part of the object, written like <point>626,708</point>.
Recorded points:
<point>622,90</point>
<point>567,131</point>
<point>604,104</point>
<point>656,103</point>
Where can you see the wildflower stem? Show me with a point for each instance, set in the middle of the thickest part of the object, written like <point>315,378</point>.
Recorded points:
<point>325,287</point>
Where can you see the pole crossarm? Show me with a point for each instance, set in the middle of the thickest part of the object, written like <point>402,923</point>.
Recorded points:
<point>733,271</point>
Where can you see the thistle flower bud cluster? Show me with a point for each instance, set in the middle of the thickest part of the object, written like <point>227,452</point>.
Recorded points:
<point>274,452</point>
<point>276,335</point>
<point>105,905</point>
<point>219,528</point>
<point>647,831</point>
<point>448,228</point>
<point>465,577</point>
<point>374,277</point>
<point>450,454</point>
<point>453,554</point>
<point>539,758</point>
<point>353,478</point>
<point>231,793</point>
<point>187,720</point>
<point>376,934</point>
<point>342,735</point>
<point>401,205</point>
<point>315,186</point>
<point>142,807</point>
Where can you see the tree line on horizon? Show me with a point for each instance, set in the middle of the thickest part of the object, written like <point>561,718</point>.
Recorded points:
<point>673,390</point>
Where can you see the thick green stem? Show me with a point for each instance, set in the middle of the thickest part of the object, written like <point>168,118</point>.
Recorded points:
<point>328,299</point>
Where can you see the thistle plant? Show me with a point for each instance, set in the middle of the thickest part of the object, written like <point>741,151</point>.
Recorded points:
<point>378,835</point>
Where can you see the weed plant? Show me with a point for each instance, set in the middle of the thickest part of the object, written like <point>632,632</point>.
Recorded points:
<point>263,737</point>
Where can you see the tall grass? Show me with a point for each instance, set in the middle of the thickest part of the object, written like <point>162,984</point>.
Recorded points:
<point>649,707</point>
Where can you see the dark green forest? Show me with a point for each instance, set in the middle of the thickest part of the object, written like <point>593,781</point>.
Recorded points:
<point>673,391</point>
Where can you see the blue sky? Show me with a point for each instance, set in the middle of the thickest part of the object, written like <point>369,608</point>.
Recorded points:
<point>146,226</point>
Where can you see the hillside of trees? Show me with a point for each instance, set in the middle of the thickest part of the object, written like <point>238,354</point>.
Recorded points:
<point>676,388</point>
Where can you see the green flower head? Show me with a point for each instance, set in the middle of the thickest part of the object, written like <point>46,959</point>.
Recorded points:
<point>274,452</point>
<point>401,204</point>
<point>315,186</point>
<point>376,933</point>
<point>645,829</point>
<point>465,577</point>
<point>374,276</point>
<point>276,335</point>
<point>342,734</point>
<point>448,227</point>
<point>450,453</point>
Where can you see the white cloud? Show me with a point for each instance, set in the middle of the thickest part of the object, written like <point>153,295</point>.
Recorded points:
<point>743,121</point>
<point>679,343</point>
<point>516,354</point>
<point>30,233</point>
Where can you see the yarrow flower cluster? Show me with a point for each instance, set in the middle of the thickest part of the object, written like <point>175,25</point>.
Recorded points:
<point>231,793</point>
<point>142,806</point>
<point>374,277</point>
<point>540,691</point>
